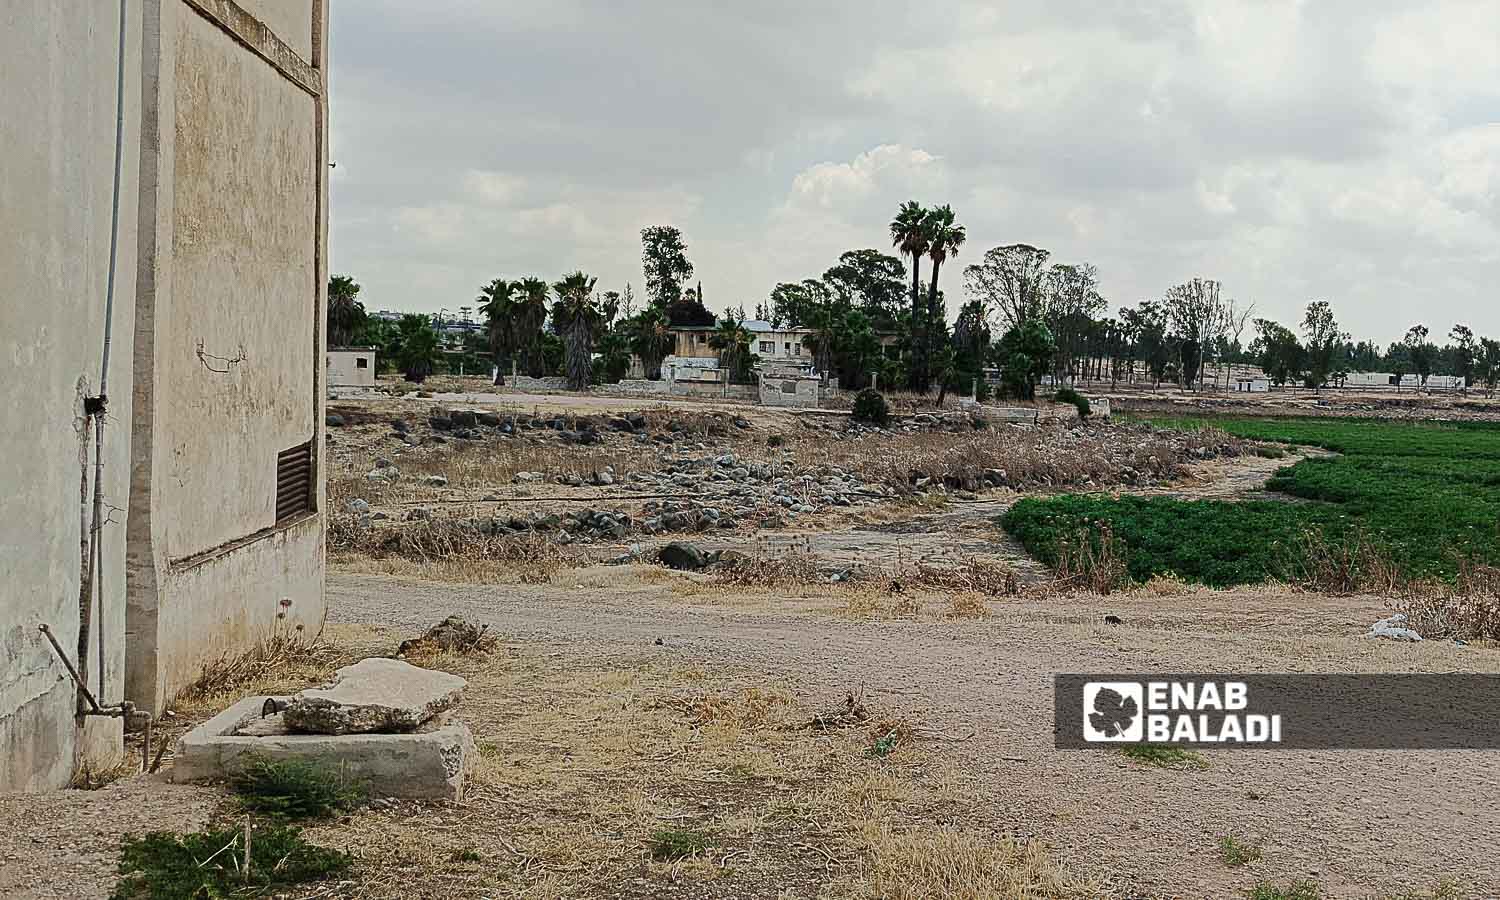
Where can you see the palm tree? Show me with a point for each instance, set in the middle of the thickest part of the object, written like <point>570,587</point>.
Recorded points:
<point>418,345</point>
<point>909,235</point>
<point>497,304</point>
<point>577,319</point>
<point>529,317</point>
<point>650,340</point>
<point>345,313</point>
<point>945,236</point>
<point>732,340</point>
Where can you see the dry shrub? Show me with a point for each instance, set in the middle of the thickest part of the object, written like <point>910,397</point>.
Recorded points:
<point>1353,564</point>
<point>754,707</point>
<point>791,568</point>
<point>951,862</point>
<point>970,575</point>
<point>462,545</point>
<point>847,714</point>
<point>1468,609</point>
<point>1167,584</point>
<point>289,656</point>
<point>968,605</point>
<point>1092,561</point>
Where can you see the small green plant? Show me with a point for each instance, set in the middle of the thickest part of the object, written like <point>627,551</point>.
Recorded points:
<point>467,854</point>
<point>1164,756</point>
<point>1236,852</point>
<point>775,440</point>
<point>167,866</point>
<point>677,843</point>
<point>1305,889</point>
<point>870,407</point>
<point>884,745</point>
<point>294,789</point>
<point>1068,395</point>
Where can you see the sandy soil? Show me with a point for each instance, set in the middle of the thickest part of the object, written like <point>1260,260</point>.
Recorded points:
<point>1361,823</point>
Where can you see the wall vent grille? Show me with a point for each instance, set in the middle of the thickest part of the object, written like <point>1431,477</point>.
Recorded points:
<point>294,481</point>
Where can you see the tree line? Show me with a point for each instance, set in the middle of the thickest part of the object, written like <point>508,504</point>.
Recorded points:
<point>871,317</point>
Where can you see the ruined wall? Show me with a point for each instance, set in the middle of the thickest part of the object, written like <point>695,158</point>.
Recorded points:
<point>229,338</point>
<point>57,139</point>
<point>789,391</point>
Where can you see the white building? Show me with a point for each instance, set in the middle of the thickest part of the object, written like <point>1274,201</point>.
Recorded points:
<point>351,366</point>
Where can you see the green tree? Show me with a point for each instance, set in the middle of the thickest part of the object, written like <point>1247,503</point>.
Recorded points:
<point>732,340</point>
<point>1012,281</point>
<point>911,236</point>
<point>873,282</point>
<point>346,315</point>
<point>496,302</point>
<point>1488,363</point>
<point>1464,352</point>
<point>528,318</point>
<point>1025,354</point>
<point>416,347</point>
<point>944,238</point>
<point>650,339</point>
<point>1419,352</point>
<point>1277,352</point>
<point>578,319</point>
<point>664,257</point>
<point>1324,338</point>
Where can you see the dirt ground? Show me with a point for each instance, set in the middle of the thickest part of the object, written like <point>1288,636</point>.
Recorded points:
<point>625,701</point>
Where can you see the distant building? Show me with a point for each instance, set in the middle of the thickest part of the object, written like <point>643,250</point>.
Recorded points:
<point>351,366</point>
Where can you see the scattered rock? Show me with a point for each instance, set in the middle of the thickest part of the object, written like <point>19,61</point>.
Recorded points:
<point>359,505</point>
<point>453,634</point>
<point>333,420</point>
<point>436,480</point>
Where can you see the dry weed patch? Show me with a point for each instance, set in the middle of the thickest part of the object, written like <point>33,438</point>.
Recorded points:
<point>639,779</point>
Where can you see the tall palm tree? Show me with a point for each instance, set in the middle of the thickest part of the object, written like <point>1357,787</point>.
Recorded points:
<point>497,304</point>
<point>529,317</point>
<point>345,313</point>
<point>578,320</point>
<point>418,346</point>
<point>650,340</point>
<point>944,237</point>
<point>909,235</point>
<point>732,339</point>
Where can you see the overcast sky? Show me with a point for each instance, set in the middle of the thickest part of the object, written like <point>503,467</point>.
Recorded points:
<point>1346,150</point>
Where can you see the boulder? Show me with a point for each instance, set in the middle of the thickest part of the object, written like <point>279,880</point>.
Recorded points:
<point>374,695</point>
<point>463,418</point>
<point>488,420</point>
<point>683,556</point>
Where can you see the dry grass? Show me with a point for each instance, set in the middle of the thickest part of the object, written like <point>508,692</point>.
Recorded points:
<point>1093,560</point>
<point>287,661</point>
<point>587,768</point>
<point>446,550</point>
<point>1467,609</point>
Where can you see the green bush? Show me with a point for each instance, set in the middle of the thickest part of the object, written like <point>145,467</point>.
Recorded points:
<point>870,407</point>
<point>295,789</point>
<point>1068,395</point>
<point>166,866</point>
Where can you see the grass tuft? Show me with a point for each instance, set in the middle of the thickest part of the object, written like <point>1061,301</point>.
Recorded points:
<point>1235,852</point>
<point>1164,756</point>
<point>677,843</point>
<point>1306,889</point>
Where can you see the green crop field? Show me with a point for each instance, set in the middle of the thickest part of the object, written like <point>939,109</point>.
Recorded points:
<point>1427,494</point>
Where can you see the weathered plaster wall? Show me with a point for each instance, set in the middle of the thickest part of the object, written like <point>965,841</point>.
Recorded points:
<point>57,136</point>
<point>230,339</point>
<point>344,369</point>
<point>789,391</point>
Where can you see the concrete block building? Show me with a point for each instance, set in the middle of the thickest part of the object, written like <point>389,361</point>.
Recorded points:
<point>165,186</point>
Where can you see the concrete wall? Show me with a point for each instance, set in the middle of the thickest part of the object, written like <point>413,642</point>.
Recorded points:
<point>228,337</point>
<point>344,369</point>
<point>527,383</point>
<point>789,391</point>
<point>57,138</point>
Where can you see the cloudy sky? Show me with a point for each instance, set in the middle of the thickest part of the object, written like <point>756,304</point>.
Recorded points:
<point>1339,149</point>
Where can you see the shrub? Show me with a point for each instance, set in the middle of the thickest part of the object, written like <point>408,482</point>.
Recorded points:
<point>167,866</point>
<point>1235,852</point>
<point>1068,395</point>
<point>677,843</point>
<point>295,789</point>
<point>870,407</point>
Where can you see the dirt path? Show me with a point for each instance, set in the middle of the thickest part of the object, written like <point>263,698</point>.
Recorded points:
<point>1361,823</point>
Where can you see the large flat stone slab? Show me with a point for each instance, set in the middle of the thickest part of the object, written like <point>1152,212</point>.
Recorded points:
<point>432,764</point>
<point>374,695</point>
